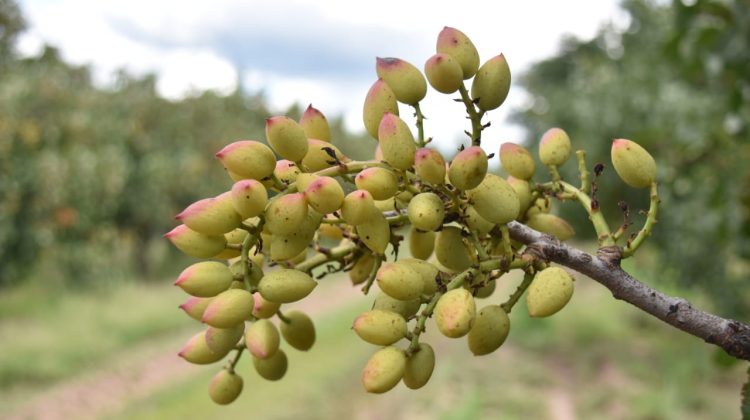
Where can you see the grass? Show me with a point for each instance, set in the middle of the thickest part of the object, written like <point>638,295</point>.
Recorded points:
<point>598,357</point>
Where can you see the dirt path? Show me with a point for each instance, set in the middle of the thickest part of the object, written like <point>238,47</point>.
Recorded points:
<point>148,368</point>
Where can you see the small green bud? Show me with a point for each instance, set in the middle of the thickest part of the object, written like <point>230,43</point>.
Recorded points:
<point>517,161</point>
<point>315,124</point>
<point>399,281</point>
<point>286,137</point>
<point>552,225</point>
<point>285,213</point>
<point>195,306</point>
<point>380,182</point>
<point>222,340</point>
<point>554,149</point>
<point>426,211</point>
<point>248,159</point>
<point>211,216</point>
<point>490,330</point>
<point>325,195</point>
<point>455,313</point>
<point>495,200</point>
<point>635,166</point>
<point>205,279</point>
<point>358,207</point>
<point>444,73</point>
<point>549,292</point>
<point>362,269</point>
<point>229,308</point>
<point>196,351</point>
<point>427,271</point>
<point>396,141</point>
<point>376,234</point>
<point>299,332</point>
<point>249,198</point>
<point>380,327</point>
<point>450,249</point>
<point>317,158</point>
<point>540,205</point>
<point>196,244</point>
<point>272,368</point>
<point>225,387</point>
<point>406,308</point>
<point>264,308</point>
<point>455,43</point>
<point>468,168</point>
<point>286,285</point>
<point>421,244</point>
<point>384,370</point>
<point>380,99</point>
<point>262,339</point>
<point>419,367</point>
<point>430,165</point>
<point>491,84</point>
<point>407,82</point>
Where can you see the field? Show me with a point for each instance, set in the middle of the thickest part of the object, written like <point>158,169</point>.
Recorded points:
<point>112,353</point>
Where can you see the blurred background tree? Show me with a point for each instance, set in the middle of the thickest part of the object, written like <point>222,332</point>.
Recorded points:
<point>676,80</point>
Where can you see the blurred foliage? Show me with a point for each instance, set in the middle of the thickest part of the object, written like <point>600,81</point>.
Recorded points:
<point>91,176</point>
<point>676,80</point>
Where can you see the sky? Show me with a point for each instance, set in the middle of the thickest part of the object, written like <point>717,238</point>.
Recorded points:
<point>320,52</point>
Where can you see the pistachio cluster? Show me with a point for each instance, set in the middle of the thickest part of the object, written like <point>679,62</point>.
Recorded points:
<point>299,210</point>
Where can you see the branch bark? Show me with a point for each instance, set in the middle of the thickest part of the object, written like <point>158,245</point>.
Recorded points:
<point>732,336</point>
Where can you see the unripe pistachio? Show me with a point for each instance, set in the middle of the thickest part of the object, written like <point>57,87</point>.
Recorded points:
<point>286,171</point>
<point>264,308</point>
<point>205,279</point>
<point>490,330</point>
<point>362,269</point>
<point>427,271</point>
<point>426,211</point>
<point>286,285</point>
<point>380,99</point>
<point>317,158</point>
<point>358,207</point>
<point>399,281</point>
<point>211,216</point>
<point>236,236</point>
<point>554,149</point>
<point>551,224</point>
<point>286,137</point>
<point>272,368</point>
<point>405,308</point>
<point>477,223</point>
<point>196,351</point>
<point>380,182</point>
<point>262,339</point>
<point>419,367</point>
<point>222,340</point>
<point>421,244</point>
<point>455,43</point>
<point>455,312</point>
<point>549,292</point>
<point>450,249</point>
<point>196,244</point>
<point>285,213</point>
<point>195,306</point>
<point>495,200</point>
<point>517,161</point>
<point>287,247</point>
<point>468,168</point>
<point>298,330</point>
<point>330,231</point>
<point>225,387</point>
<point>523,192</point>
<point>396,141</point>
<point>304,179</point>
<point>486,290</point>
<point>384,370</point>
<point>430,165</point>
<point>407,82</point>
<point>375,234</point>
<point>249,198</point>
<point>325,195</point>
<point>444,73</point>
<point>491,84</point>
<point>315,124</point>
<point>380,327</point>
<point>540,205</point>
<point>635,166</point>
<point>386,205</point>
<point>248,159</point>
<point>229,308</point>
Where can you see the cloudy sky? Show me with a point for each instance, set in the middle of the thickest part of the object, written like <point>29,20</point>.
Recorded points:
<point>320,52</point>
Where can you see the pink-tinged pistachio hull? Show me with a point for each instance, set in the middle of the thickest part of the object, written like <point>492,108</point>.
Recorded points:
<point>635,166</point>
<point>315,124</point>
<point>248,159</point>
<point>429,165</point>
<point>196,244</point>
<point>318,155</point>
<point>229,308</point>
<point>325,195</point>
<point>517,161</point>
<point>455,43</point>
<point>358,207</point>
<point>468,168</point>
<point>286,137</point>
<point>455,313</point>
<point>211,216</point>
<point>249,198</point>
<point>384,370</point>
<point>491,83</point>
<point>399,281</point>
<point>379,100</point>
<point>406,81</point>
<point>554,148</point>
<point>205,279</point>
<point>380,327</point>
<point>396,142</point>
<point>262,339</point>
<point>444,73</point>
<point>196,351</point>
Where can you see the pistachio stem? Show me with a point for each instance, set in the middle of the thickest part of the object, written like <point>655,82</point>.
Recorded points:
<point>420,125</point>
<point>335,254</point>
<point>584,173</point>
<point>474,115</point>
<point>647,226</point>
<point>527,279</point>
<point>597,218</point>
<point>373,273</point>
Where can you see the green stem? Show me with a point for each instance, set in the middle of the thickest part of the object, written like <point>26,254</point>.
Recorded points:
<point>647,226</point>
<point>420,125</point>
<point>248,243</point>
<point>584,173</point>
<point>282,317</point>
<point>474,115</point>
<point>236,358</point>
<point>527,279</point>
<point>507,250</point>
<point>595,215</point>
<point>481,252</point>
<point>335,254</point>
<point>373,273</point>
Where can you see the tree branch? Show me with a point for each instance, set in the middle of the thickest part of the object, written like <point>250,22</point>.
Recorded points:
<point>732,336</point>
